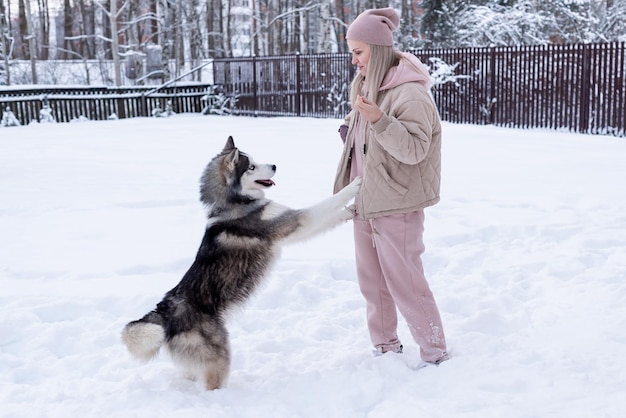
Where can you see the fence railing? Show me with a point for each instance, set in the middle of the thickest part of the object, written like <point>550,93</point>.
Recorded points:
<point>315,85</point>
<point>100,103</point>
<point>580,88</point>
<point>577,87</point>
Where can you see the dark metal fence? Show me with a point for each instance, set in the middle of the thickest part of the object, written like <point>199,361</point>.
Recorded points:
<point>315,85</point>
<point>100,103</point>
<point>580,88</point>
<point>290,85</point>
<point>572,87</point>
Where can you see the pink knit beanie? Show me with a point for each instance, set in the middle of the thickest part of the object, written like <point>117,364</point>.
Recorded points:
<point>374,26</point>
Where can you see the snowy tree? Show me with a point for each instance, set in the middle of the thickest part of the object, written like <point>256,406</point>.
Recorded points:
<point>184,32</point>
<point>157,112</point>
<point>497,25</point>
<point>588,20</point>
<point>45,114</point>
<point>6,46</point>
<point>452,23</point>
<point>192,34</point>
<point>101,42</point>
<point>214,17</point>
<point>443,73</point>
<point>572,21</point>
<point>613,21</point>
<point>217,103</point>
<point>77,30</point>
<point>29,36</point>
<point>9,119</point>
<point>438,26</point>
<point>338,99</point>
<point>408,36</point>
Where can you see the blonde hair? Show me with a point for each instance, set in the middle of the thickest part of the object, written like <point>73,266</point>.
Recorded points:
<point>382,58</point>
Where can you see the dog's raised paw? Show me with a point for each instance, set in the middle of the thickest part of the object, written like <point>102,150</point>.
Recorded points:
<point>353,188</point>
<point>348,213</point>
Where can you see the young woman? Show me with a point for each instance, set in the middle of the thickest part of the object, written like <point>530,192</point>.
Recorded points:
<point>392,139</point>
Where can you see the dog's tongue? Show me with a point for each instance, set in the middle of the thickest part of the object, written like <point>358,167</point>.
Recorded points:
<point>266,183</point>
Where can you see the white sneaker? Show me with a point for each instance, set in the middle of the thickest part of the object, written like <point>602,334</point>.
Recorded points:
<point>379,351</point>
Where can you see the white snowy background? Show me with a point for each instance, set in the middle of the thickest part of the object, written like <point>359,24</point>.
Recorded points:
<point>526,256</point>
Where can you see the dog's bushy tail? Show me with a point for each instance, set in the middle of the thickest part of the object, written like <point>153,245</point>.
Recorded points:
<point>144,337</point>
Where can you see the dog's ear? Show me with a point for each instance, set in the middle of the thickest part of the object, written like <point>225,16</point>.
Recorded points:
<point>232,159</point>
<point>230,144</point>
<point>233,154</point>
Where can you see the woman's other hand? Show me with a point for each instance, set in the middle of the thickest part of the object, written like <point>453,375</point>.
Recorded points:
<point>368,110</point>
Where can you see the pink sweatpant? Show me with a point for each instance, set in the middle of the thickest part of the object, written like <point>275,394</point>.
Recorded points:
<point>390,273</point>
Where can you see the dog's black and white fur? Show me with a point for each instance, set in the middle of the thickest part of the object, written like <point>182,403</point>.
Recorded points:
<point>242,239</point>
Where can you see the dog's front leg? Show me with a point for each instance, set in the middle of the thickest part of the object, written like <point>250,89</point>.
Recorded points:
<point>326,214</point>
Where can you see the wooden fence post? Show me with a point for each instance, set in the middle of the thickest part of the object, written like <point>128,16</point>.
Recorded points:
<point>492,85</point>
<point>255,87</point>
<point>143,105</point>
<point>585,85</point>
<point>298,89</point>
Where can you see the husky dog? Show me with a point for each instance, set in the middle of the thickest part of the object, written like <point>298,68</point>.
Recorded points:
<point>243,236</point>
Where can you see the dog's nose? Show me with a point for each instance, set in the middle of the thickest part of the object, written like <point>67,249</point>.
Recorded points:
<point>273,167</point>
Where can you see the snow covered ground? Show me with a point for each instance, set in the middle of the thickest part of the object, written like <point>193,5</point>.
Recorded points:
<point>526,255</point>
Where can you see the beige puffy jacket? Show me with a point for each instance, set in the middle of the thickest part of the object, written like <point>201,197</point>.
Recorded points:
<point>402,157</point>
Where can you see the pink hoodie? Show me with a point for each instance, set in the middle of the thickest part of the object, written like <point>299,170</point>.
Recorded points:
<point>409,69</point>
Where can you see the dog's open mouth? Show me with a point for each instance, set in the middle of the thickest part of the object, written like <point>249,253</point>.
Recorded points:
<point>265,182</point>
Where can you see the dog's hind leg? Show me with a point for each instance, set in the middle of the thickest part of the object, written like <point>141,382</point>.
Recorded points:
<point>216,356</point>
<point>203,353</point>
<point>217,347</point>
<point>216,373</point>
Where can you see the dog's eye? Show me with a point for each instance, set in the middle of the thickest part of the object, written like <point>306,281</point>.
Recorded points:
<point>252,167</point>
